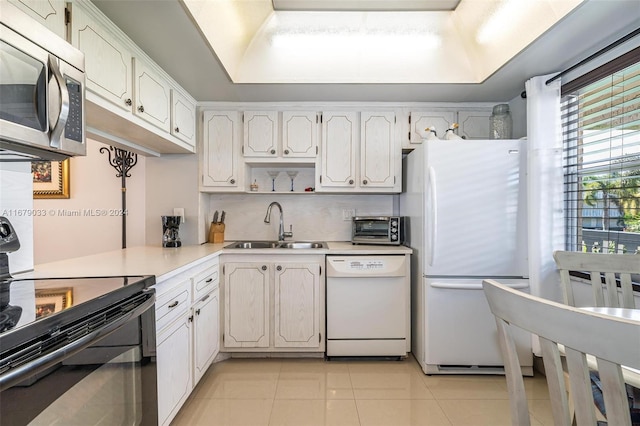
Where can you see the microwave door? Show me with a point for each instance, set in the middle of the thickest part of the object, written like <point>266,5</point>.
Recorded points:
<point>24,73</point>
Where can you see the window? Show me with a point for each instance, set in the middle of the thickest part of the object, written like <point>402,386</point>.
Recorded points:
<point>601,139</point>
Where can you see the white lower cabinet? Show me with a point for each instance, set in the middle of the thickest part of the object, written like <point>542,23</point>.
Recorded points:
<point>272,305</point>
<point>174,369</point>
<point>187,333</point>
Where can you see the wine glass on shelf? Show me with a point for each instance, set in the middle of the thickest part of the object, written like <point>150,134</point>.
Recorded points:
<point>273,175</point>
<point>292,174</point>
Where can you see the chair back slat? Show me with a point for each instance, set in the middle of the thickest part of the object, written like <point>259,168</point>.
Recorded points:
<point>613,341</point>
<point>616,268</point>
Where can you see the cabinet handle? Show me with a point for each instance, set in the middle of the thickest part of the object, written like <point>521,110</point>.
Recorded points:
<point>191,318</point>
<point>278,268</point>
<point>364,182</point>
<point>286,152</point>
<point>273,151</point>
<point>205,298</point>
<point>232,181</point>
<point>141,108</point>
<point>173,305</point>
<point>198,311</point>
<point>209,280</point>
<point>264,267</point>
<point>177,129</point>
<point>350,181</point>
<point>128,102</point>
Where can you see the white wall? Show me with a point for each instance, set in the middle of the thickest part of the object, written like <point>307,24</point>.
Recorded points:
<point>93,187</point>
<point>518,108</point>
<point>172,181</point>
<point>313,216</point>
<point>16,204</point>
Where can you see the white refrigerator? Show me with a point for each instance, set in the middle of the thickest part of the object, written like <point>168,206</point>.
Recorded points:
<point>466,204</point>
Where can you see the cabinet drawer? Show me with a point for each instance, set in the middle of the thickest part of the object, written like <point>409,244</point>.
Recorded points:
<point>205,281</point>
<point>171,305</point>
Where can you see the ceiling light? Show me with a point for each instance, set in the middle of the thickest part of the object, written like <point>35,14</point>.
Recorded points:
<point>365,5</point>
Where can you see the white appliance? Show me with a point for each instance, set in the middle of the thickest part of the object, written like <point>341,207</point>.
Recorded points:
<point>466,204</point>
<point>368,311</point>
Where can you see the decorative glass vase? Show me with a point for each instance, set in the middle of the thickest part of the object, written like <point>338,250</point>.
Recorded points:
<point>500,124</point>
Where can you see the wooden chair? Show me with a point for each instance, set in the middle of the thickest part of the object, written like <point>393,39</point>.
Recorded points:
<point>605,295</point>
<point>612,341</point>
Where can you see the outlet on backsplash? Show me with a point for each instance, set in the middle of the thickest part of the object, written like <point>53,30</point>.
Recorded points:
<point>347,214</point>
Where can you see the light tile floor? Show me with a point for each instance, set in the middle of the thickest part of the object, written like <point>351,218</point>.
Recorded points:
<point>353,392</point>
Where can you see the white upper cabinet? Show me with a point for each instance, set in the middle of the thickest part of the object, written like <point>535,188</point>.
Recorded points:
<point>152,96</point>
<point>299,134</point>
<point>183,117</point>
<point>361,152</point>
<point>128,95</point>
<point>474,124</point>
<point>108,63</point>
<point>260,134</point>
<point>339,150</point>
<point>380,156</point>
<point>49,13</point>
<point>222,165</point>
<point>420,120</point>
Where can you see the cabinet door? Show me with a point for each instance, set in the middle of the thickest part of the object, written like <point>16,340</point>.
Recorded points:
<point>107,62</point>
<point>183,118</point>
<point>474,124</point>
<point>441,120</point>
<point>49,13</point>
<point>173,369</point>
<point>297,305</point>
<point>221,150</point>
<point>378,150</point>
<point>299,134</point>
<point>246,305</point>
<point>260,134</point>
<point>152,96</point>
<point>339,143</point>
<point>205,333</point>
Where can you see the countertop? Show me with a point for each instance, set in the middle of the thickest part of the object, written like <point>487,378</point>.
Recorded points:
<point>167,262</point>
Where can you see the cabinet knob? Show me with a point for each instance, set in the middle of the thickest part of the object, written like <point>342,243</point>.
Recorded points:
<point>141,108</point>
<point>273,151</point>
<point>232,181</point>
<point>364,182</point>
<point>286,152</point>
<point>278,268</point>
<point>177,129</point>
<point>128,102</point>
<point>350,181</point>
<point>264,267</point>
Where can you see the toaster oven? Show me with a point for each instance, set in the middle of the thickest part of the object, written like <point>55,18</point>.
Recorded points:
<point>384,230</point>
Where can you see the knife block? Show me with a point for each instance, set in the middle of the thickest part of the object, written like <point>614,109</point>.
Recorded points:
<point>216,232</point>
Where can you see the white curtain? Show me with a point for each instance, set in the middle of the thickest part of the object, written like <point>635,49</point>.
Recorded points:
<point>545,185</point>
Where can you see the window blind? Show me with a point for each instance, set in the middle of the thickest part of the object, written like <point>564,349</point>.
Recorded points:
<point>601,139</point>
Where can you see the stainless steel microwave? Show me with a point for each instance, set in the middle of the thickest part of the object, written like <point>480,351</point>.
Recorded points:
<point>42,85</point>
<point>385,230</point>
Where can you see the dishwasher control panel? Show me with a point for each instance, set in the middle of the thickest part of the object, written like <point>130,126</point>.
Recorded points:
<point>368,265</point>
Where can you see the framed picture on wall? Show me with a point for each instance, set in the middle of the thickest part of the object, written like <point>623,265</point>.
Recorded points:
<point>50,179</point>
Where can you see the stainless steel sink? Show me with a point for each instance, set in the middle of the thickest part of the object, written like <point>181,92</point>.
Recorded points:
<point>276,244</point>
<point>253,245</point>
<point>301,245</point>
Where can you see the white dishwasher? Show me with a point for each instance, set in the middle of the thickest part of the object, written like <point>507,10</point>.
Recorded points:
<point>368,305</point>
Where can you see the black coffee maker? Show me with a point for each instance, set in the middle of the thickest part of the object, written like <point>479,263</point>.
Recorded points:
<point>170,228</point>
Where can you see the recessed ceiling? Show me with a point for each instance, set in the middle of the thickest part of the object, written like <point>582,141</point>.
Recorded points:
<point>257,44</point>
<point>365,5</point>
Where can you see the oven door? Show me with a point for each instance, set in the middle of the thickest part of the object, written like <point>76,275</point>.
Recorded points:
<point>108,378</point>
<point>371,230</point>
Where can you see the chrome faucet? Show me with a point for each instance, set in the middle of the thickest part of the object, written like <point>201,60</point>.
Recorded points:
<point>267,219</point>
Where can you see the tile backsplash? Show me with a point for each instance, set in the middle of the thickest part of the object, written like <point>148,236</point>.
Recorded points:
<point>315,217</point>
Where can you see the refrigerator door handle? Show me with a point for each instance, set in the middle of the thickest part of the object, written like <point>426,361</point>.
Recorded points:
<point>433,201</point>
<point>458,286</point>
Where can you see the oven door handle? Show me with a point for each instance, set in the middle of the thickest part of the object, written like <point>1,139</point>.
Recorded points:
<point>18,374</point>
